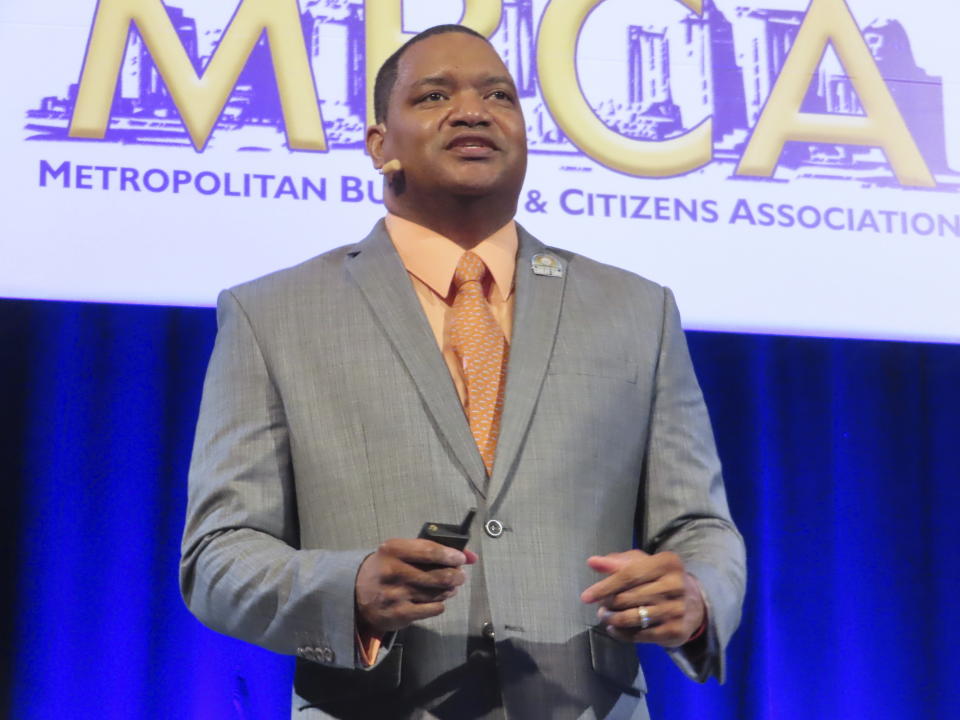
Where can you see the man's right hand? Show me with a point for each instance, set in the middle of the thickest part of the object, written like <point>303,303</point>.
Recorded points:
<point>407,580</point>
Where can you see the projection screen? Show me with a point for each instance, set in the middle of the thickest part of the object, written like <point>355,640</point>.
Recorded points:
<point>786,166</point>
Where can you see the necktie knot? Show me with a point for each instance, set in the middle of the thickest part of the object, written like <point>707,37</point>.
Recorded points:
<point>470,269</point>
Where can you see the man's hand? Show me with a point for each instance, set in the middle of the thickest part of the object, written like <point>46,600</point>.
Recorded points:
<point>659,583</point>
<point>407,580</point>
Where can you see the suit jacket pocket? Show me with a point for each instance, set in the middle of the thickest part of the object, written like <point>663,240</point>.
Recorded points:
<point>321,685</point>
<point>593,365</point>
<point>616,661</point>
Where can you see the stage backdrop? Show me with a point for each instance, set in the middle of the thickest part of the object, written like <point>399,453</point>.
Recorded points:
<point>841,463</point>
<point>786,166</point>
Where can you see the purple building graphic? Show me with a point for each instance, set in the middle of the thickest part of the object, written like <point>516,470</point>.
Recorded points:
<point>766,37</point>
<point>677,75</point>
<point>707,44</point>
<point>334,33</point>
<point>649,112</point>
<point>141,90</point>
<point>918,95</point>
<point>144,113</point>
<point>649,66</point>
<point>516,43</point>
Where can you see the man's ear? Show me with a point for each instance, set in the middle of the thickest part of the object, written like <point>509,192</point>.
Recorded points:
<point>375,137</point>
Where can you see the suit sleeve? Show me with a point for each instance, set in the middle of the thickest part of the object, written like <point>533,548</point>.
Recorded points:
<point>685,509</point>
<point>241,571</point>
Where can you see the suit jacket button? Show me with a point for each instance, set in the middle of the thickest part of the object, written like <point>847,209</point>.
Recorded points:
<point>487,630</point>
<point>493,528</point>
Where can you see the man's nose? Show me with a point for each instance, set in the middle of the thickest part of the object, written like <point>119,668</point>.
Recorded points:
<point>469,109</point>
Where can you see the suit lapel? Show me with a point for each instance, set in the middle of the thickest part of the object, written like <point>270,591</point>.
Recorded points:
<point>386,286</point>
<point>536,315</point>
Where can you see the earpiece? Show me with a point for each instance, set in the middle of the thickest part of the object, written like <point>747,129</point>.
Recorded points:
<point>391,167</point>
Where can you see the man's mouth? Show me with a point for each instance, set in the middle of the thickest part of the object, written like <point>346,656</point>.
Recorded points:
<point>472,146</point>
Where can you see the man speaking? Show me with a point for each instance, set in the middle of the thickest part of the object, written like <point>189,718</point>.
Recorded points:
<point>451,361</point>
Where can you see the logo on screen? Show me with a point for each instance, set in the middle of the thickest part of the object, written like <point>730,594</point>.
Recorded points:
<point>766,93</point>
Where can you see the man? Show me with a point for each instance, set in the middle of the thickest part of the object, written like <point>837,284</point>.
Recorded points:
<point>448,361</point>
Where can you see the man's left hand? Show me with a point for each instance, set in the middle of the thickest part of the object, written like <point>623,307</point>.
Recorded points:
<point>670,595</point>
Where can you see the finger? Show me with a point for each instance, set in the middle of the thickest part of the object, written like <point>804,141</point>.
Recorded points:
<point>613,561</point>
<point>632,598</point>
<point>607,563</point>
<point>472,557</point>
<point>604,565</point>
<point>431,596</point>
<point>651,593</point>
<point>423,552</point>
<point>630,576</point>
<point>441,578</point>
<point>629,620</point>
<point>392,599</point>
<point>632,619</point>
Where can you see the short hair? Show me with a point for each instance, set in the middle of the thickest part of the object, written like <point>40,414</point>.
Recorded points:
<point>387,75</point>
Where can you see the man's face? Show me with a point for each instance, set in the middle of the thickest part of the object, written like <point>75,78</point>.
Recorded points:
<point>454,120</point>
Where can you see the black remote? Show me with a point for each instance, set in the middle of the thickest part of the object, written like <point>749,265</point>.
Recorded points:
<point>455,536</point>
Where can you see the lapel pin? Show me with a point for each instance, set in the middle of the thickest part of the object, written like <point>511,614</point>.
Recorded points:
<point>547,265</point>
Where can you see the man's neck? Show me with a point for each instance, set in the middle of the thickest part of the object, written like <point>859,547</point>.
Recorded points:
<point>466,221</point>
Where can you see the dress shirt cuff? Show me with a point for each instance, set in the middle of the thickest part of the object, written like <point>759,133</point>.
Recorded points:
<point>368,647</point>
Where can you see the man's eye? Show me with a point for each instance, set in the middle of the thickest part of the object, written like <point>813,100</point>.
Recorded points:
<point>432,97</point>
<point>501,95</point>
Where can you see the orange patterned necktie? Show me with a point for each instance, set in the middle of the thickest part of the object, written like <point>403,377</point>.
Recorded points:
<point>479,344</point>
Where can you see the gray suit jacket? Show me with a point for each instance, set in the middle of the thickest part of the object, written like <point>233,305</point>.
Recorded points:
<point>329,423</point>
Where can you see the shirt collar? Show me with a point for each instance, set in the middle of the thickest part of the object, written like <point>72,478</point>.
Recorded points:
<point>433,258</point>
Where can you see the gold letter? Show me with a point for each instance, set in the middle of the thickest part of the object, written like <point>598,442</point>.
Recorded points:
<point>385,35</point>
<point>882,126</point>
<point>556,63</point>
<point>200,99</point>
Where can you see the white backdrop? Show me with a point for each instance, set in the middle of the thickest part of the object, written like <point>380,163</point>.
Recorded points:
<point>832,244</point>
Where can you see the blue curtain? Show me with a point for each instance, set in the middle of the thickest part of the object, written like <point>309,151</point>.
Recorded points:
<point>842,463</point>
